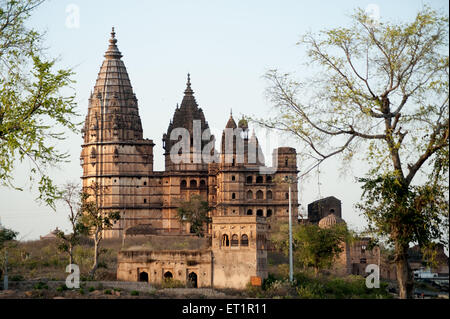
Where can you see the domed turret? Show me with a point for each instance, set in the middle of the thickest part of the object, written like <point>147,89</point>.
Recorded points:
<point>330,221</point>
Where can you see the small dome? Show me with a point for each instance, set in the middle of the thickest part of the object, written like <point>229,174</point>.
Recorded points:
<point>330,221</point>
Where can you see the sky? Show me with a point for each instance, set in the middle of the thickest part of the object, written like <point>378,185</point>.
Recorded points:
<point>226,46</point>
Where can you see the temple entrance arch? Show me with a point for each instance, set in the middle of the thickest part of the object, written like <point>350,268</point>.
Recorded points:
<point>143,276</point>
<point>168,275</point>
<point>192,280</point>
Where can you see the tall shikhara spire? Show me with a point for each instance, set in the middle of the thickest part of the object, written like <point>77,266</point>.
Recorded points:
<point>113,144</point>
<point>113,109</point>
<point>184,117</point>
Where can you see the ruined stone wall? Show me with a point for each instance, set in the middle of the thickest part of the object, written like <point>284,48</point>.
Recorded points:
<point>158,264</point>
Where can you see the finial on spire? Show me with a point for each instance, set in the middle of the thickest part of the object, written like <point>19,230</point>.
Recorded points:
<point>188,86</point>
<point>231,112</point>
<point>113,52</point>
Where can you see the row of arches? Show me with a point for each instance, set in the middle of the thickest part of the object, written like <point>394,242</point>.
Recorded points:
<point>258,179</point>
<point>192,183</point>
<point>234,242</point>
<point>191,282</point>
<point>260,212</point>
<point>259,194</point>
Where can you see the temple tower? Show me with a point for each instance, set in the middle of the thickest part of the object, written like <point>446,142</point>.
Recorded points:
<point>114,153</point>
<point>188,134</point>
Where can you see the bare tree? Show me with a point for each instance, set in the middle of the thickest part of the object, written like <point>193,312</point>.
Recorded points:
<point>95,219</point>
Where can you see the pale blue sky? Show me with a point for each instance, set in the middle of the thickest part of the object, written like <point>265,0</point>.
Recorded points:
<point>227,46</point>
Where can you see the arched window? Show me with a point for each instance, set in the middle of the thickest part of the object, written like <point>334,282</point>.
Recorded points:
<point>269,179</point>
<point>183,184</point>
<point>249,179</point>
<point>234,240</point>
<point>244,240</point>
<point>269,212</point>
<point>249,212</point>
<point>259,212</point>
<point>202,183</point>
<point>259,179</point>
<point>193,183</point>
<point>269,195</point>
<point>145,200</point>
<point>286,195</point>
<point>225,240</point>
<point>233,178</point>
<point>233,196</point>
<point>259,194</point>
<point>249,195</point>
<point>286,161</point>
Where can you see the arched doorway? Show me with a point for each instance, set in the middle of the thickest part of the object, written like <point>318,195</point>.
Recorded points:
<point>192,280</point>
<point>168,275</point>
<point>143,276</point>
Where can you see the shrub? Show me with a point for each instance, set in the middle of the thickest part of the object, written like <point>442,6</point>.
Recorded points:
<point>15,277</point>
<point>61,288</point>
<point>134,293</point>
<point>107,292</point>
<point>91,289</point>
<point>172,283</point>
<point>40,285</point>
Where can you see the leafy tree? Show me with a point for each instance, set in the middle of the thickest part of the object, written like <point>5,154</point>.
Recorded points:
<point>6,235</point>
<point>312,246</point>
<point>33,112</point>
<point>71,197</point>
<point>95,220</point>
<point>381,96</point>
<point>195,212</point>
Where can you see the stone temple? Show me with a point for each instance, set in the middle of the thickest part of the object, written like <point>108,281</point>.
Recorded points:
<point>245,195</point>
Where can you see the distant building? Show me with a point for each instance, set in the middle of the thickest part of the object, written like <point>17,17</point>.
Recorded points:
<point>51,235</point>
<point>323,207</point>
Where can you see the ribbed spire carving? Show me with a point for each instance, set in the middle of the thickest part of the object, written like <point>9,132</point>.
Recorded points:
<point>113,102</point>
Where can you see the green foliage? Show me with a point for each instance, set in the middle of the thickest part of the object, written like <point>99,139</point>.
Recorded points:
<point>108,292</point>
<point>40,285</point>
<point>134,293</point>
<point>91,289</point>
<point>6,235</point>
<point>61,288</point>
<point>195,211</point>
<point>405,214</point>
<point>172,283</point>
<point>32,109</point>
<point>313,246</point>
<point>307,286</point>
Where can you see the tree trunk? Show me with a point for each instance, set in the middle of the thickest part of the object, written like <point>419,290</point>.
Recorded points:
<point>95,264</point>
<point>70,254</point>
<point>405,276</point>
